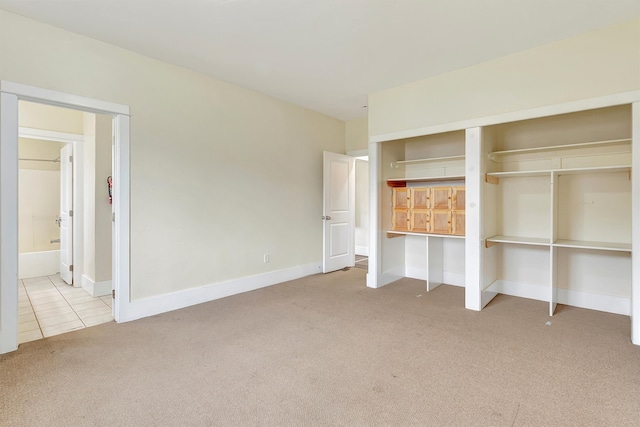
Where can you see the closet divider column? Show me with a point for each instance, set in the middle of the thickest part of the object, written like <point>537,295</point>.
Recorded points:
<point>435,262</point>
<point>635,226</point>
<point>473,236</point>
<point>553,251</point>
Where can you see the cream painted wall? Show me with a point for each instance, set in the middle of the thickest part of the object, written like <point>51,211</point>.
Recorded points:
<point>220,175</point>
<point>97,210</point>
<point>357,134</point>
<point>598,63</point>
<point>38,149</point>
<point>47,117</point>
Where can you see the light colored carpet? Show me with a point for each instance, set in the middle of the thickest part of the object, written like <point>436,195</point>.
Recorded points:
<point>325,350</point>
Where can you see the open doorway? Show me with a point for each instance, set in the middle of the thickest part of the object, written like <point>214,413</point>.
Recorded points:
<point>64,228</point>
<point>10,94</point>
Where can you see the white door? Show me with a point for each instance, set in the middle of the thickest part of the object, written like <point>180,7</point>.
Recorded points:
<point>66,213</point>
<point>338,212</point>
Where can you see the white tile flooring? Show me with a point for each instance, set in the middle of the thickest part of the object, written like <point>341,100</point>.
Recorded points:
<point>47,306</point>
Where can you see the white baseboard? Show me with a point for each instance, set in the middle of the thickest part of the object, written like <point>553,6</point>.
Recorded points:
<point>188,297</point>
<point>362,250</point>
<point>385,278</point>
<point>96,289</point>
<point>416,273</point>
<point>606,303</point>
<point>448,278</point>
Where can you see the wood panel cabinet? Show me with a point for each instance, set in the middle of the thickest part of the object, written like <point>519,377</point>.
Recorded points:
<point>436,209</point>
<point>420,221</point>
<point>420,198</point>
<point>441,198</point>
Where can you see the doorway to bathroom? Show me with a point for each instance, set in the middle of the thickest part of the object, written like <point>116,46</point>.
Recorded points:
<point>64,227</point>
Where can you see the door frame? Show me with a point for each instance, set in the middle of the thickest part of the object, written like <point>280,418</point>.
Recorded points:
<point>10,94</point>
<point>76,141</point>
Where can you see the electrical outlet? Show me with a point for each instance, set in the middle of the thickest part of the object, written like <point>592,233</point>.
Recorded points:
<point>266,258</point>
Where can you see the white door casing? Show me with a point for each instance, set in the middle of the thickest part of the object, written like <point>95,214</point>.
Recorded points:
<point>338,211</point>
<point>66,213</point>
<point>10,94</point>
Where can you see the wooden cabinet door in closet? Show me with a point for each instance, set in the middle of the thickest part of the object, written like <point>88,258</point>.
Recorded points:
<point>457,223</point>
<point>458,199</point>
<point>420,221</point>
<point>441,198</point>
<point>400,220</point>
<point>441,221</point>
<point>400,198</point>
<point>420,198</point>
<point>400,217</point>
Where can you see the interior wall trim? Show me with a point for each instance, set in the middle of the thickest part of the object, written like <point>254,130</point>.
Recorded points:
<point>138,309</point>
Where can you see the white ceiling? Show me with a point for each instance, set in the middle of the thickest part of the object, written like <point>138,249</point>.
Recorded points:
<point>326,55</point>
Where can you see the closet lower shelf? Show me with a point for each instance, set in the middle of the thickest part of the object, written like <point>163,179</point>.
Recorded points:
<point>394,233</point>
<point>560,243</point>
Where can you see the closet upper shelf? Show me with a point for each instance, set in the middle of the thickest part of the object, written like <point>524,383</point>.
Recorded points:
<point>496,155</point>
<point>598,169</point>
<point>399,163</point>
<point>402,182</point>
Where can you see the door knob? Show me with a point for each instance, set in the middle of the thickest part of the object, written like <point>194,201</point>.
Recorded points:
<point>326,217</point>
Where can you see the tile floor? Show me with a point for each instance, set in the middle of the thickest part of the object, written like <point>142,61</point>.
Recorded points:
<point>47,306</point>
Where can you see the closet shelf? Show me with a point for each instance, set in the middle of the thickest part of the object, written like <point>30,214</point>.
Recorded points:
<point>535,241</point>
<point>495,154</point>
<point>402,182</point>
<point>604,246</point>
<point>393,233</point>
<point>398,163</point>
<point>599,169</point>
<point>559,243</point>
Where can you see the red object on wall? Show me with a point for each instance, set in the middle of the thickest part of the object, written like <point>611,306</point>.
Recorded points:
<point>110,186</point>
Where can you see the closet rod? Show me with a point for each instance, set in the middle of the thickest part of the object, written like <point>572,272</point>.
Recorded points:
<point>43,160</point>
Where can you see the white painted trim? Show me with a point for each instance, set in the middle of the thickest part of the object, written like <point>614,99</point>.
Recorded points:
<point>473,219</point>
<point>10,93</point>
<point>549,110</point>
<point>49,135</point>
<point>96,289</point>
<point>374,275</point>
<point>635,226</point>
<point>358,153</point>
<point>121,263</point>
<point>78,213</point>
<point>592,301</point>
<point>362,250</point>
<point>188,297</point>
<point>8,222</point>
<point>61,99</point>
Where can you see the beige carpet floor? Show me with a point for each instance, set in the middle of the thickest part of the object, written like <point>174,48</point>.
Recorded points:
<point>326,350</point>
